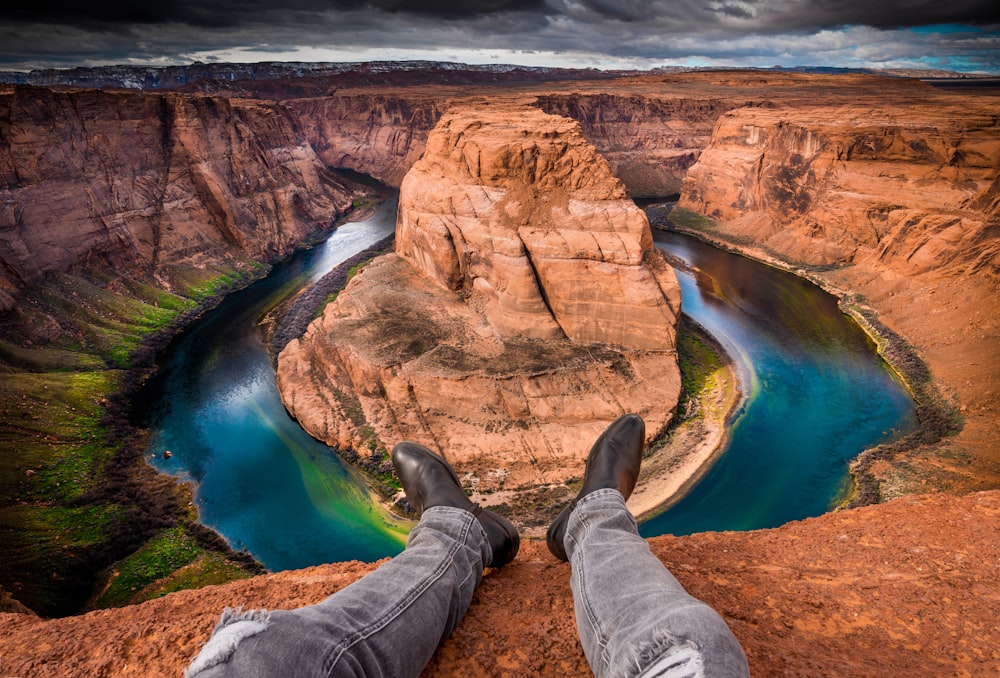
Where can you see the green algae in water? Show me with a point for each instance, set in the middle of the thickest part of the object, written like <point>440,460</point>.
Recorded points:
<point>262,482</point>
<point>817,394</point>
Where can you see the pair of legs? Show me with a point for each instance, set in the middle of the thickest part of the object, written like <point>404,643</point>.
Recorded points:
<point>633,616</point>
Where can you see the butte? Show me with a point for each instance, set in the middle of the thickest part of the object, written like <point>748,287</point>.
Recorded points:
<point>525,308</point>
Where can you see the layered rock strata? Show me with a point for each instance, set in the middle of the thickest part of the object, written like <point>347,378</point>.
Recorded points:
<point>650,140</point>
<point>379,134</point>
<point>915,189</point>
<point>524,309</point>
<point>893,203</point>
<point>147,182</point>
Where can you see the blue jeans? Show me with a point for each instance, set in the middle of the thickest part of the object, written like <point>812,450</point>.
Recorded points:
<point>386,624</point>
<point>633,616</point>
<point>631,613</point>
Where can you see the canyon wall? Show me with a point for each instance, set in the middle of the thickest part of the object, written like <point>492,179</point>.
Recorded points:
<point>525,308</point>
<point>649,141</point>
<point>889,199</point>
<point>378,134</point>
<point>145,182</point>
<point>913,189</point>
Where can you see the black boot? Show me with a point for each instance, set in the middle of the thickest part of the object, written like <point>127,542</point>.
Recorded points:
<point>613,463</point>
<point>428,480</point>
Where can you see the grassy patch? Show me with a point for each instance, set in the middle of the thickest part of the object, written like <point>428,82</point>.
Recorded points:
<point>47,359</point>
<point>205,570</point>
<point>46,550</point>
<point>161,556</point>
<point>214,286</point>
<point>75,493</point>
<point>698,362</point>
<point>52,447</point>
<point>686,219</point>
<point>85,319</point>
<point>702,364</point>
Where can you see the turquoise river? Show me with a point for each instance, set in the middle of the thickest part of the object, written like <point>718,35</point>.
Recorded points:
<point>816,395</point>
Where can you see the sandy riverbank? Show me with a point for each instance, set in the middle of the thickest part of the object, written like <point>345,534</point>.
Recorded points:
<point>689,448</point>
<point>672,465</point>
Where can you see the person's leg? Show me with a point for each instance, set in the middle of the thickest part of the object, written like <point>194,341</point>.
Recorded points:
<point>390,622</point>
<point>633,616</point>
<point>387,623</point>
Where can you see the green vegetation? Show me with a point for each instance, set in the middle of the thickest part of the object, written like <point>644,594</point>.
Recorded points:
<point>698,360</point>
<point>162,555</point>
<point>686,219</point>
<point>51,423</point>
<point>76,495</point>
<point>207,569</point>
<point>328,299</point>
<point>215,285</point>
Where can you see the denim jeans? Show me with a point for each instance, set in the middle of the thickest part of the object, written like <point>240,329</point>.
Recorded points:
<point>386,624</point>
<point>633,616</point>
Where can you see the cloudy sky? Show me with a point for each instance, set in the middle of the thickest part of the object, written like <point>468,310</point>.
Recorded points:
<point>961,35</point>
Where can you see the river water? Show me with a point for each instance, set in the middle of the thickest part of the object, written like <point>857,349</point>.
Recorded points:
<point>816,396</point>
<point>263,482</point>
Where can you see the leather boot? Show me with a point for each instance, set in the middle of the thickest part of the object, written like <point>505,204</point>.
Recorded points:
<point>428,480</point>
<point>613,463</point>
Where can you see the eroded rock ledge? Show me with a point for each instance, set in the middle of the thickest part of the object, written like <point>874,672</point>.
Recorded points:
<point>525,308</point>
<point>904,588</point>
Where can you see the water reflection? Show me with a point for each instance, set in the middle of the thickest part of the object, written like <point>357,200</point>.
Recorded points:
<point>817,394</point>
<point>263,482</point>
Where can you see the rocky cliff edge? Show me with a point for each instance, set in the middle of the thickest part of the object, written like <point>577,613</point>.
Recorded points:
<point>904,588</point>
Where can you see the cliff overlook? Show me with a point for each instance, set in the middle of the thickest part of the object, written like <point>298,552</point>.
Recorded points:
<point>883,190</point>
<point>904,588</point>
<point>525,308</point>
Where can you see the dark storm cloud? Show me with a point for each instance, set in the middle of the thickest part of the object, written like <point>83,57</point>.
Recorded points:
<point>688,14</point>
<point>730,32</point>
<point>228,13</point>
<point>891,14</point>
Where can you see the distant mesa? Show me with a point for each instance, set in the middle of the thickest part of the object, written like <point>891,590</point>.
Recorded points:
<point>525,308</point>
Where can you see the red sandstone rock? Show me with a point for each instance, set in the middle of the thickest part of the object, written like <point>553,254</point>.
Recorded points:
<point>899,194</point>
<point>525,310</point>
<point>151,181</point>
<point>914,187</point>
<point>907,588</point>
<point>517,210</point>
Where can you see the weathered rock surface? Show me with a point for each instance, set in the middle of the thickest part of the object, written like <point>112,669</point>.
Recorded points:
<point>146,182</point>
<point>525,309</point>
<point>913,188</point>
<point>896,199</point>
<point>904,588</point>
<point>649,131</point>
<point>518,210</point>
<point>649,140</point>
<point>380,134</point>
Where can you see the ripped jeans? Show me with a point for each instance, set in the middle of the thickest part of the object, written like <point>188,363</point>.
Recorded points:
<point>634,618</point>
<point>387,623</point>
